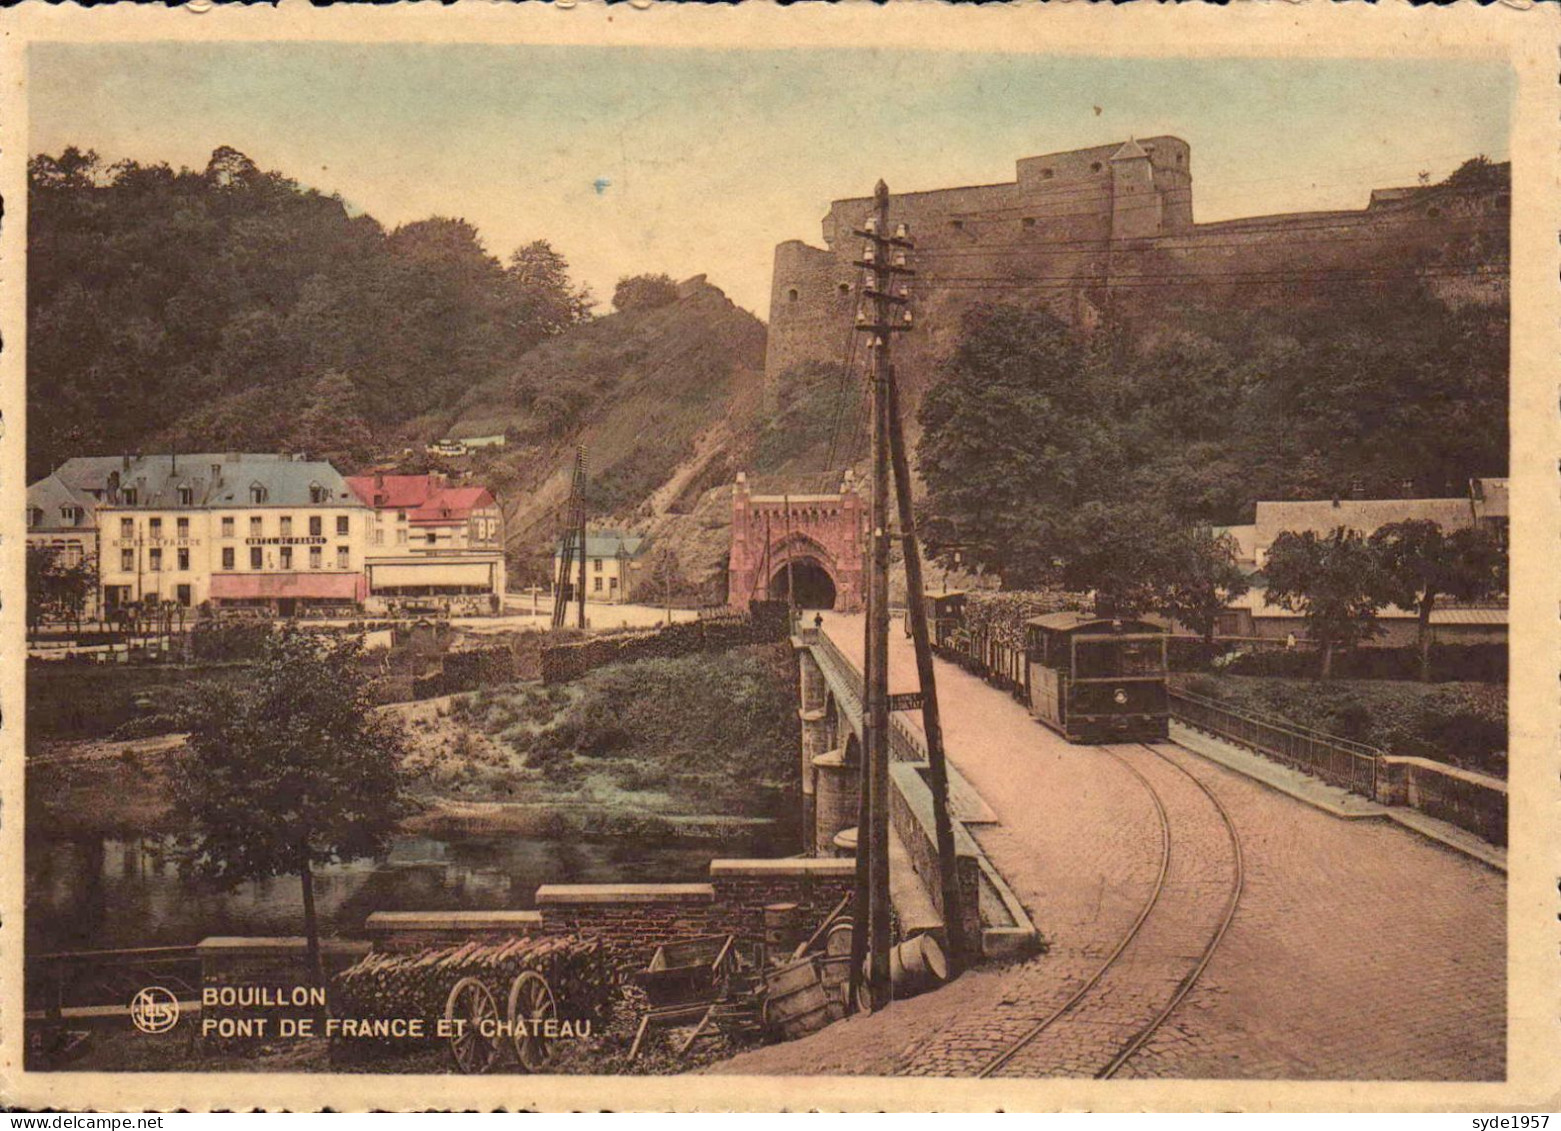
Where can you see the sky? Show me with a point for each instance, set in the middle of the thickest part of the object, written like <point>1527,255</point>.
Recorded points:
<point>697,161</point>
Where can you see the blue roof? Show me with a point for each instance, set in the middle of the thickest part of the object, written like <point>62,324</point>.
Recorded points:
<point>608,544</point>
<point>215,479</point>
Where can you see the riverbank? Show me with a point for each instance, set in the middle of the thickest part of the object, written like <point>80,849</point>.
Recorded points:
<point>698,749</point>
<point>123,790</point>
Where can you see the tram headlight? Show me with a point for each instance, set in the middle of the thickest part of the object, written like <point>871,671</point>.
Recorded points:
<point>1119,697</point>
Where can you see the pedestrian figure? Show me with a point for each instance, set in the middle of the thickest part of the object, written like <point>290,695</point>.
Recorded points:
<point>818,620</point>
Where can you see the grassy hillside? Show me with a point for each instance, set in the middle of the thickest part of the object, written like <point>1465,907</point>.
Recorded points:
<point>662,400</point>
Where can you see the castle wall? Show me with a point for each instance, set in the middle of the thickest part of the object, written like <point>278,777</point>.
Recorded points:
<point>1063,236</point>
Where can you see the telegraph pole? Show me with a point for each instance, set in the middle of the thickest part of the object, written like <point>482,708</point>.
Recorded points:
<point>883,260</point>
<point>885,312</point>
<point>580,539</point>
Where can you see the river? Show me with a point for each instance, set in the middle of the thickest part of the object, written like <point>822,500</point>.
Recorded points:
<point>103,893</point>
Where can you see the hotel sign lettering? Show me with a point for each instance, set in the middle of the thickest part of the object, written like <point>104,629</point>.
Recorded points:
<point>301,540</point>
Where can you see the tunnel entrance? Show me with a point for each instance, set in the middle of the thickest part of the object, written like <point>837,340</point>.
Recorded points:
<point>815,588</point>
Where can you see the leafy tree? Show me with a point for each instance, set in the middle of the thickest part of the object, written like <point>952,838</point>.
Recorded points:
<point>1417,562</point>
<point>1333,582</point>
<point>1123,551</point>
<point>552,302</point>
<point>55,590</point>
<point>1202,578</point>
<point>291,770</point>
<point>665,573</point>
<point>644,292</point>
<point>179,307</point>
<point>1012,442</point>
<point>332,427</point>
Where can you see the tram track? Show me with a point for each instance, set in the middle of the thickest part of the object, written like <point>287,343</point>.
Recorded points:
<point>1164,951</point>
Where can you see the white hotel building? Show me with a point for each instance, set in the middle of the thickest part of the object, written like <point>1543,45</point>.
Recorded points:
<point>267,531</point>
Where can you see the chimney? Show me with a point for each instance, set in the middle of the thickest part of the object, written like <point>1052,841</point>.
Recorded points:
<point>216,476</point>
<point>173,462</point>
<point>379,479</point>
<point>124,462</point>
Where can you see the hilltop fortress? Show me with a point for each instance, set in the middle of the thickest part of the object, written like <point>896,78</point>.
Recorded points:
<point>1109,231</point>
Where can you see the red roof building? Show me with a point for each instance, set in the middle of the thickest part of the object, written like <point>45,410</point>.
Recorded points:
<point>424,514</point>
<point>432,543</point>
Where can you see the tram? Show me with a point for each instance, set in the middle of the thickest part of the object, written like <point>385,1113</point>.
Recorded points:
<point>1097,679</point>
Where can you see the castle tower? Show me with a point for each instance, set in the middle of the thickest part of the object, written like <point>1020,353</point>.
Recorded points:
<point>1136,205</point>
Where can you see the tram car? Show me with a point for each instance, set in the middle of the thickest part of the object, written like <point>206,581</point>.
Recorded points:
<point>1098,679</point>
<point>945,618</point>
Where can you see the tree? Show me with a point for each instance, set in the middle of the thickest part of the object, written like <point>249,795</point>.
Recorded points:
<point>1333,582</point>
<point>644,292</point>
<point>292,770</point>
<point>332,426</point>
<point>55,590</point>
<point>551,301</point>
<point>665,572</point>
<point>1122,551</point>
<point>1418,562</point>
<point>1012,443</point>
<point>1202,579</point>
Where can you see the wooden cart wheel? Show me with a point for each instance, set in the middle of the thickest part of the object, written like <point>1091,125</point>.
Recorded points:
<point>531,1005</point>
<point>472,1002</point>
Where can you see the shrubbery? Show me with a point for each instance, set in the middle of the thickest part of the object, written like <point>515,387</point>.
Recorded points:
<point>1482,663</point>
<point>710,726</point>
<point>1463,724</point>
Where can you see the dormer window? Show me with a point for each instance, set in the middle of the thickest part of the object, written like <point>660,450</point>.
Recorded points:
<point>318,494</point>
<point>72,515</point>
<point>258,493</point>
<point>186,496</point>
<point>34,516</point>
<point>129,496</point>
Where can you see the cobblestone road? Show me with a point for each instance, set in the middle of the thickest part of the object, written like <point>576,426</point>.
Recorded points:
<point>1358,951</point>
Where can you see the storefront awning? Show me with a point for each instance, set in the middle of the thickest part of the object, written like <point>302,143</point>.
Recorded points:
<point>260,586</point>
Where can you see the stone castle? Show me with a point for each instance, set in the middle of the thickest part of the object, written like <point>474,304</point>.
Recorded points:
<point>1109,231</point>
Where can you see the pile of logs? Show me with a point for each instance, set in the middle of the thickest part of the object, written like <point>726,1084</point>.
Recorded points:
<point>386,985</point>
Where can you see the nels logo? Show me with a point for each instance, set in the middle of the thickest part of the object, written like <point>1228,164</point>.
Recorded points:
<point>154,1010</point>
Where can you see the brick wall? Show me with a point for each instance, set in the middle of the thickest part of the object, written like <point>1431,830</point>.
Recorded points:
<point>403,931</point>
<point>636,918</point>
<point>744,888</point>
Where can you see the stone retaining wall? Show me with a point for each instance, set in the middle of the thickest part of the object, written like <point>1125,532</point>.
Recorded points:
<point>1473,801</point>
<point>571,661</point>
<point>910,811</point>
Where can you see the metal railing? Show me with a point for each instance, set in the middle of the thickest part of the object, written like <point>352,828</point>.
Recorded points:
<point>1339,761</point>
<point>108,977</point>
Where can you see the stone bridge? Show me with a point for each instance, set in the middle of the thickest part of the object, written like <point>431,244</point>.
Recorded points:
<point>830,698</point>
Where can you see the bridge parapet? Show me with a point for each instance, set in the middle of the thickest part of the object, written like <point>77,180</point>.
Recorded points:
<point>992,912</point>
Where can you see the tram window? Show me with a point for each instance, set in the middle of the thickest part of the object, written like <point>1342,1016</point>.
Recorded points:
<point>1095,661</point>
<point>1140,658</point>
